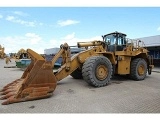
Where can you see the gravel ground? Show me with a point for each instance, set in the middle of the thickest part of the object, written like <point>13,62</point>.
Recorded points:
<point>76,96</point>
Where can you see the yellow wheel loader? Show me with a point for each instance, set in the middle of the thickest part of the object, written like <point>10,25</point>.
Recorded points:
<point>21,54</point>
<point>96,65</point>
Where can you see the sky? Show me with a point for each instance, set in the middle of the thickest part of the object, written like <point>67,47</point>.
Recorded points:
<point>40,28</point>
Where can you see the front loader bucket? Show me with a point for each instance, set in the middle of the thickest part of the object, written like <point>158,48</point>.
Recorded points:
<point>37,81</point>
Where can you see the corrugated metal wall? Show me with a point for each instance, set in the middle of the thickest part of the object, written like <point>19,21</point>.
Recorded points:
<point>151,41</point>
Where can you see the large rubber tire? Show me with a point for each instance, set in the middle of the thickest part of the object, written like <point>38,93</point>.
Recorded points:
<point>138,69</point>
<point>97,71</point>
<point>77,74</point>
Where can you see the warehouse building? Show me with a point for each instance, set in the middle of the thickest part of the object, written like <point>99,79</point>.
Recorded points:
<point>152,43</point>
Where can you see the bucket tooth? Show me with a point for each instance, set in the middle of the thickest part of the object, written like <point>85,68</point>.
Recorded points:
<point>38,81</point>
<point>28,94</point>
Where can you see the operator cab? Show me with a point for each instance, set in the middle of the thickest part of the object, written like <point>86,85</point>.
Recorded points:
<point>115,41</point>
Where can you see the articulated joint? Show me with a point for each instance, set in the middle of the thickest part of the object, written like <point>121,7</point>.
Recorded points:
<point>64,46</point>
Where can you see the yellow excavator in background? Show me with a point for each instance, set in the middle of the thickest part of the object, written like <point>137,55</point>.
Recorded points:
<point>2,54</point>
<point>96,65</point>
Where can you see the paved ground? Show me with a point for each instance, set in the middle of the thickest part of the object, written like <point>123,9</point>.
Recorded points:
<point>76,96</point>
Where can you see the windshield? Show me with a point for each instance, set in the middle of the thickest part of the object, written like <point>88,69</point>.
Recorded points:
<point>110,39</point>
<point>113,39</point>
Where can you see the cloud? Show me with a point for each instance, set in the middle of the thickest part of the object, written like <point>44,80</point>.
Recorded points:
<point>30,40</point>
<point>20,13</point>
<point>1,16</point>
<point>158,29</point>
<point>16,17</point>
<point>72,40</point>
<point>67,22</point>
<point>69,36</point>
<point>35,42</point>
<point>41,24</point>
<point>10,18</point>
<point>33,38</point>
<point>19,21</point>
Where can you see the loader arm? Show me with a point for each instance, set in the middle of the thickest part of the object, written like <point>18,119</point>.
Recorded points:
<point>76,61</point>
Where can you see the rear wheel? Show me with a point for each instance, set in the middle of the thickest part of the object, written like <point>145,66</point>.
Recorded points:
<point>77,74</point>
<point>97,71</point>
<point>138,69</point>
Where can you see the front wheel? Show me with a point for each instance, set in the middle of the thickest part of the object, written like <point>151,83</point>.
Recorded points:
<point>97,71</point>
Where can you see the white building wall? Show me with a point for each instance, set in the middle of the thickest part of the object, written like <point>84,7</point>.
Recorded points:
<point>55,50</point>
<point>51,51</point>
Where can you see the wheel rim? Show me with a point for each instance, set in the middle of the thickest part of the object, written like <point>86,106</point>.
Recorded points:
<point>141,70</point>
<point>101,72</point>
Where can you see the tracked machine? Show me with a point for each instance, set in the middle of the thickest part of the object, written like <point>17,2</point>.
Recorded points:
<point>100,60</point>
